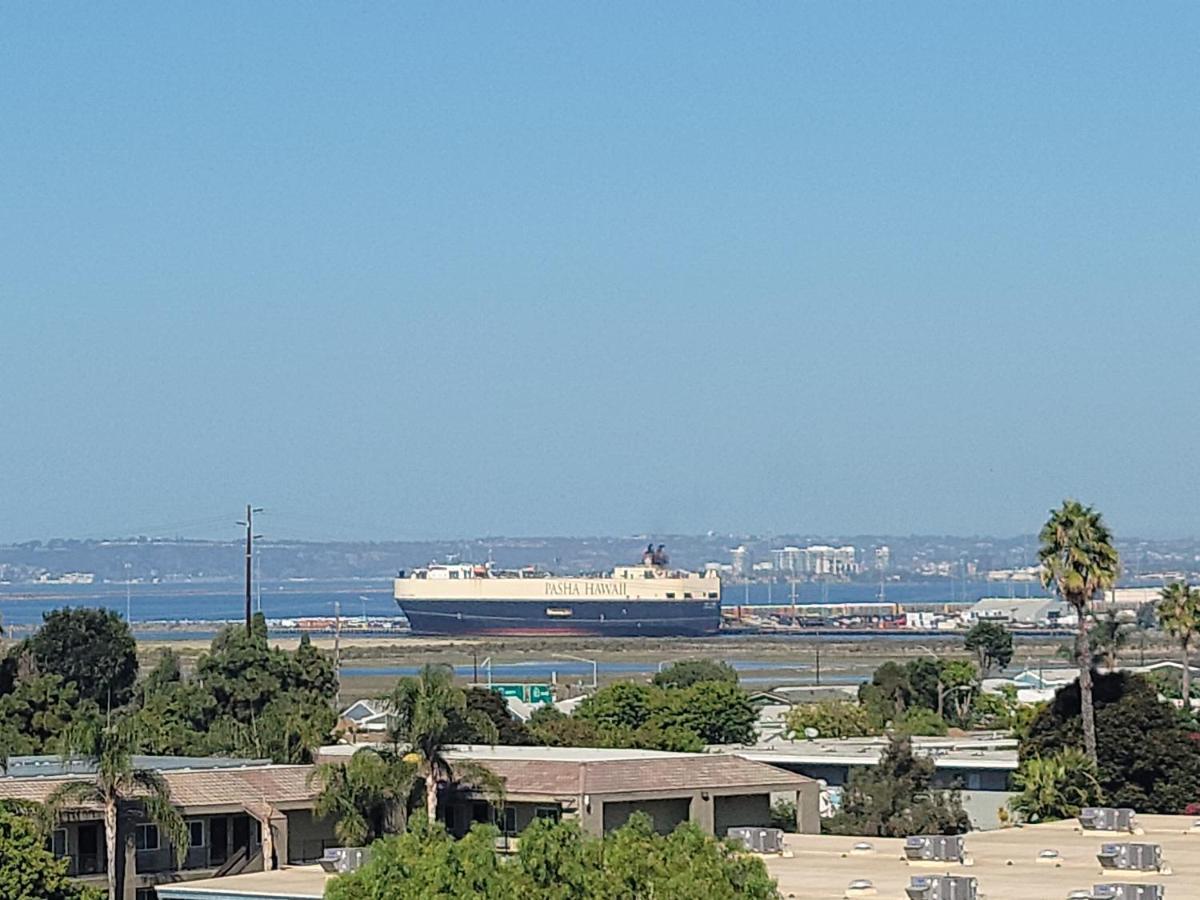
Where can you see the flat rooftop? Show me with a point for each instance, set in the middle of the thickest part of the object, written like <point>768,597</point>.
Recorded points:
<point>57,766</point>
<point>969,752</point>
<point>291,883</point>
<point>501,751</point>
<point>821,867</point>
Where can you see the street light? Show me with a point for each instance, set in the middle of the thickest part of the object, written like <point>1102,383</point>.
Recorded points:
<point>128,605</point>
<point>595,683</point>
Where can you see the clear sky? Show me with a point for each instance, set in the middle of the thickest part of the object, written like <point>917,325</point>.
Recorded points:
<point>402,270</point>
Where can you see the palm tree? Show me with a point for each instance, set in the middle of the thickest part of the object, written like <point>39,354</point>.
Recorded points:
<point>1055,787</point>
<point>422,711</point>
<point>367,796</point>
<point>1108,637</point>
<point>1179,613</point>
<point>116,786</point>
<point>1078,559</point>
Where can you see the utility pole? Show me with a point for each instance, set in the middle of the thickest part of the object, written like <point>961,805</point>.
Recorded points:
<point>250,536</point>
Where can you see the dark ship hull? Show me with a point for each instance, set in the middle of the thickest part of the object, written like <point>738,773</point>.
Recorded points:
<point>598,618</point>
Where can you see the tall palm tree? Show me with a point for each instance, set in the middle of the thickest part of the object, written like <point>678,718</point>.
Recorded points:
<point>1179,614</point>
<point>117,787</point>
<point>1078,559</point>
<point>1108,637</point>
<point>367,796</point>
<point>422,709</point>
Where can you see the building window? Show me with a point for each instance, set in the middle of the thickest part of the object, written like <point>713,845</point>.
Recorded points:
<point>553,813</point>
<point>146,837</point>
<point>58,842</point>
<point>195,832</point>
<point>508,821</point>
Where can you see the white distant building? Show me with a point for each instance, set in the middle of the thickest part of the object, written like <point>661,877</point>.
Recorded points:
<point>817,559</point>
<point>789,560</point>
<point>883,558</point>
<point>823,560</point>
<point>1029,612</point>
<point>742,561</point>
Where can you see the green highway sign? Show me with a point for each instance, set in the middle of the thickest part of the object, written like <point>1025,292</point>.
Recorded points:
<point>529,693</point>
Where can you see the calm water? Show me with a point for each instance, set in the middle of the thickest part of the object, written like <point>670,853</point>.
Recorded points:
<point>23,605</point>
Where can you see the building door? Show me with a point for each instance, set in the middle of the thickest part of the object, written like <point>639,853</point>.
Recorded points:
<point>218,839</point>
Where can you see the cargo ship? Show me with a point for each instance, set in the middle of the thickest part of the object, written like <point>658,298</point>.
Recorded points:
<point>650,599</point>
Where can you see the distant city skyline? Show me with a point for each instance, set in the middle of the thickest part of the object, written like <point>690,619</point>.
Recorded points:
<point>425,272</point>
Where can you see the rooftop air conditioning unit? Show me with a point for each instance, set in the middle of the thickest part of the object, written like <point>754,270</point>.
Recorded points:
<point>934,848</point>
<point>757,840</point>
<point>1106,818</point>
<point>345,859</point>
<point>1140,857</point>
<point>1128,892</point>
<point>942,887</point>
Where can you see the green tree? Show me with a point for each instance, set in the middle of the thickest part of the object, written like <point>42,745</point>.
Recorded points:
<point>1078,560</point>
<point>887,695</point>
<point>367,796</point>
<point>247,698</point>
<point>1179,614</point>
<point>959,685</point>
<point>896,798</point>
<point>507,729</point>
<point>992,645</point>
<point>422,709</point>
<point>687,672</point>
<point>38,710</point>
<point>553,728</point>
<point>620,705</point>
<point>118,787</point>
<point>718,712</point>
<point>1148,758</point>
<point>1055,787</point>
<point>92,648</point>
<point>918,721</point>
<point>925,685</point>
<point>557,861</point>
<point>312,671</point>
<point>28,871</point>
<point>426,863</point>
<point>830,719</point>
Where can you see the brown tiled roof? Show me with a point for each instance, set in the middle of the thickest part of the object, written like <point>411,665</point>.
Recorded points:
<point>203,787</point>
<point>703,771</point>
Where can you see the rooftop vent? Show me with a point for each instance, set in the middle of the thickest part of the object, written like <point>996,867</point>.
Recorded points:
<point>934,848</point>
<point>942,887</point>
<point>758,840</point>
<point>1139,857</point>
<point>345,859</point>
<point>1106,818</point>
<point>1127,892</point>
<point>861,887</point>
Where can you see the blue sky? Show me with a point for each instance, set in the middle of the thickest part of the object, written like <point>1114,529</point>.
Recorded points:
<point>406,270</point>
